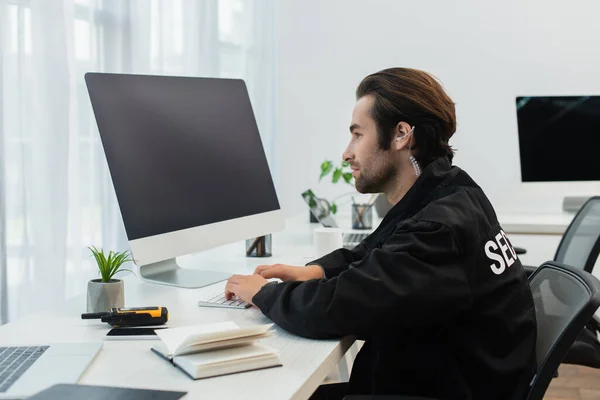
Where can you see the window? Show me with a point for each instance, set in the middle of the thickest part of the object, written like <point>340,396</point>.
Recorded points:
<point>59,196</point>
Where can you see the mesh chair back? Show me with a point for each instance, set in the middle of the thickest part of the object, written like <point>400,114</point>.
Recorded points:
<point>565,300</point>
<point>580,245</point>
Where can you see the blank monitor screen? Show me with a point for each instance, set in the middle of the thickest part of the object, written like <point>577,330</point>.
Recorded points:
<point>182,152</point>
<point>559,138</point>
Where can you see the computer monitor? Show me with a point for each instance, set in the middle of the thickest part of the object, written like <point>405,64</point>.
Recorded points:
<point>559,138</point>
<point>188,167</point>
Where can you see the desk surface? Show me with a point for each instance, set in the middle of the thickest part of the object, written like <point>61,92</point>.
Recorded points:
<point>132,364</point>
<point>545,224</point>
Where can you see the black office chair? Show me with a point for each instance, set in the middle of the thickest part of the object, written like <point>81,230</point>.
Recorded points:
<point>565,299</point>
<point>579,247</point>
<point>580,244</point>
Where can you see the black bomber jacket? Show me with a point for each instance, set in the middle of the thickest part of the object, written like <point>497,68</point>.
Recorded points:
<point>436,292</point>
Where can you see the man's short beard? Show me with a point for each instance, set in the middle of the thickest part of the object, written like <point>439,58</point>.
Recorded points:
<point>376,183</point>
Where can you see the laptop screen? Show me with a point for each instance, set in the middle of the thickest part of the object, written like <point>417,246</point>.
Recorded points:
<point>320,209</point>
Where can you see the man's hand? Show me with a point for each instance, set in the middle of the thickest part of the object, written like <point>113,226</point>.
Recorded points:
<point>244,286</point>
<point>289,273</point>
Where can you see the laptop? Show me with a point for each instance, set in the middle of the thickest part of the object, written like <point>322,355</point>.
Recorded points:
<point>26,370</point>
<point>320,210</point>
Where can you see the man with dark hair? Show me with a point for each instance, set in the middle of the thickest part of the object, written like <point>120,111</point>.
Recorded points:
<point>436,291</point>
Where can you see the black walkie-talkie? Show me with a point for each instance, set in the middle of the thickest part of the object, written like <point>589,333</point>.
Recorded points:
<point>131,316</point>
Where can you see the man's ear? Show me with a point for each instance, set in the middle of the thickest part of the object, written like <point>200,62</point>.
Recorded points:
<point>401,138</point>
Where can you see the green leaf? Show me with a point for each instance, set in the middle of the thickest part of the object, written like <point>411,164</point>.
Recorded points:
<point>326,168</point>
<point>308,193</point>
<point>118,260</point>
<point>337,174</point>
<point>110,259</point>
<point>345,164</point>
<point>96,255</point>
<point>333,208</point>
<point>126,269</point>
<point>103,266</point>
<point>347,177</point>
<point>113,268</point>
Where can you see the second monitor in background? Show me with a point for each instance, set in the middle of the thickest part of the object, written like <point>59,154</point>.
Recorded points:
<point>558,142</point>
<point>188,167</point>
<point>559,138</point>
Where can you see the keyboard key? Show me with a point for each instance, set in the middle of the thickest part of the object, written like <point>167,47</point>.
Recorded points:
<point>219,300</point>
<point>14,361</point>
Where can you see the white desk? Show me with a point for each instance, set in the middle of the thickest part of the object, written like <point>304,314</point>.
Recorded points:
<point>550,224</point>
<point>539,234</point>
<point>132,364</point>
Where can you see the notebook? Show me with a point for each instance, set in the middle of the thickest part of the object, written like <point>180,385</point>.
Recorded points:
<point>208,350</point>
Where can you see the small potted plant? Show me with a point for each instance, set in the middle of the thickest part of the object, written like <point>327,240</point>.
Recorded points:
<point>106,292</point>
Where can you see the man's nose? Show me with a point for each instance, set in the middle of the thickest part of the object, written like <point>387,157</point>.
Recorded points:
<point>347,155</point>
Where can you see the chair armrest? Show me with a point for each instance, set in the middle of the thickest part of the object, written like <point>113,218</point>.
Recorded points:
<point>520,250</point>
<point>529,270</point>
<point>383,397</point>
<point>594,323</point>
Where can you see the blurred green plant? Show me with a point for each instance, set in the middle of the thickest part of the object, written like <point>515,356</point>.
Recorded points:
<point>342,171</point>
<point>339,173</point>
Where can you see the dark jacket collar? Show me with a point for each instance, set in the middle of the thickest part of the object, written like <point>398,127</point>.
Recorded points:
<point>435,177</point>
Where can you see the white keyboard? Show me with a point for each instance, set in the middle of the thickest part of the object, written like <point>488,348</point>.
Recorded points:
<point>217,299</point>
<point>352,238</point>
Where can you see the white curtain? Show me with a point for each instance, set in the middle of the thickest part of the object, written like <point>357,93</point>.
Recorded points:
<point>56,196</point>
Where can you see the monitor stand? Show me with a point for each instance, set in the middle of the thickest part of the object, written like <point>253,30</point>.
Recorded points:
<point>168,272</point>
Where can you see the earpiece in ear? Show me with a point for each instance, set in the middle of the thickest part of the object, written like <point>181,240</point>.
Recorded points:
<point>398,138</point>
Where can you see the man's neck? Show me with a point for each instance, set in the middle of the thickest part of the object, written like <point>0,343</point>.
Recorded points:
<point>400,186</point>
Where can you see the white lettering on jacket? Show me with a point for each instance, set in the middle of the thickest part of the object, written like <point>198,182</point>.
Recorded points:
<point>496,251</point>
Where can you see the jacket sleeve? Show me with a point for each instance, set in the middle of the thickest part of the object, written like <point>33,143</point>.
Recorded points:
<point>416,279</point>
<point>339,260</point>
